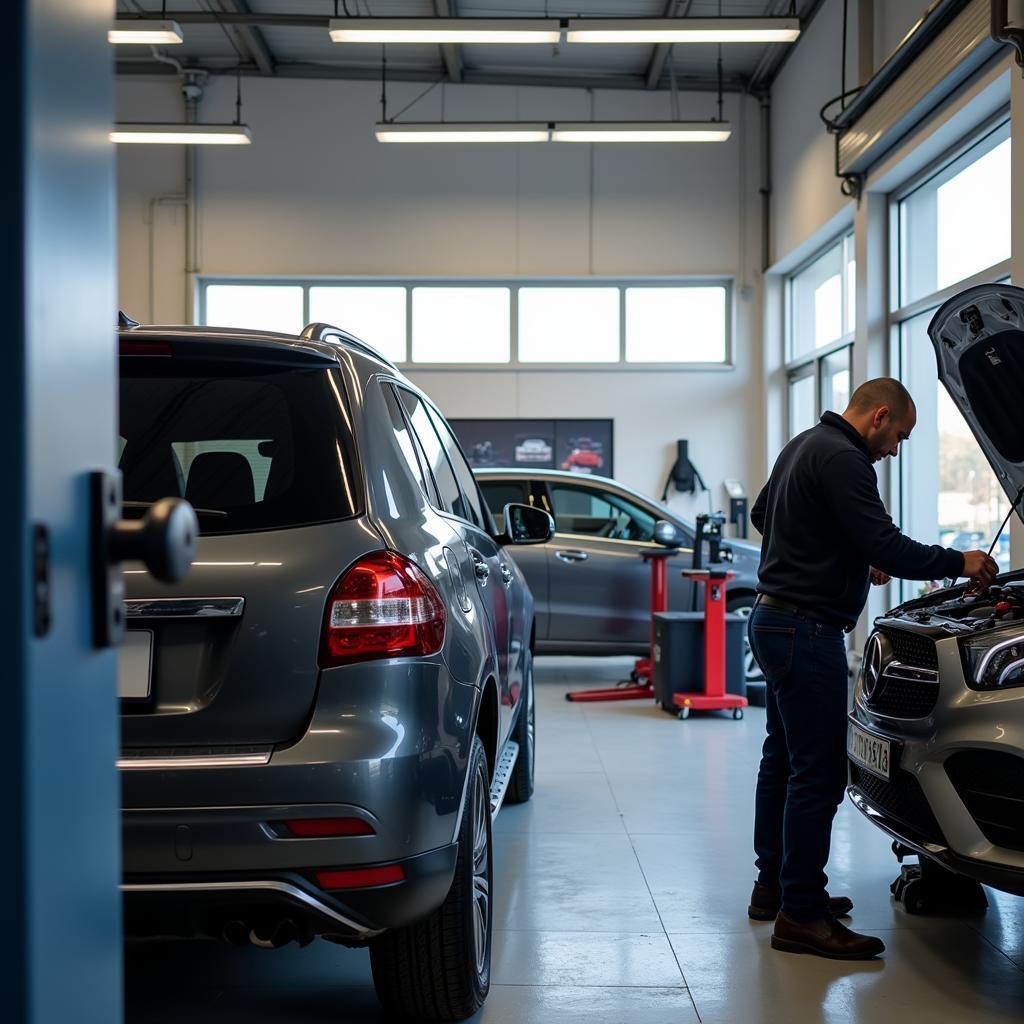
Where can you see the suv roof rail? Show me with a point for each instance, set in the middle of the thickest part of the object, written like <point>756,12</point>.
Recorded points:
<point>124,320</point>
<point>325,332</point>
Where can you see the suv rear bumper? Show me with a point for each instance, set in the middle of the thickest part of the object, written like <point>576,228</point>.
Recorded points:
<point>273,907</point>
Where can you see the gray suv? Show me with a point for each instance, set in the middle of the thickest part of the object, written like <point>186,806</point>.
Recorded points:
<point>319,723</point>
<point>936,736</point>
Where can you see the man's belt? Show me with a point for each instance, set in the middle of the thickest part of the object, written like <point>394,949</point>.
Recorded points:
<point>807,613</point>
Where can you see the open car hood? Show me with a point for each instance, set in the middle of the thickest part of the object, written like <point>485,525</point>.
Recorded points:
<point>978,337</point>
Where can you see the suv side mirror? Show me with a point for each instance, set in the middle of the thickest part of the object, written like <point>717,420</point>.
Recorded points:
<point>667,534</point>
<point>525,524</point>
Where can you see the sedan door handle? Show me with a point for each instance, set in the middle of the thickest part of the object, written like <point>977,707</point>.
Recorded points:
<point>571,556</point>
<point>506,575</point>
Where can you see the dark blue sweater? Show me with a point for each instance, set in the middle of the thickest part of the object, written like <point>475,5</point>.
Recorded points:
<point>824,526</point>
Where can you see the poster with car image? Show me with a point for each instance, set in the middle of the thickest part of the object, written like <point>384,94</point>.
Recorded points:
<point>577,446</point>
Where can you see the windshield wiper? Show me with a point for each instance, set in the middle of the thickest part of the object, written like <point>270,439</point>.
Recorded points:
<point>198,511</point>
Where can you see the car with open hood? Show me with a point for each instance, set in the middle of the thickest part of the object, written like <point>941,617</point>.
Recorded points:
<point>936,732</point>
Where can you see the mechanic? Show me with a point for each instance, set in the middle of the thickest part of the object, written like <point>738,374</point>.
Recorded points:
<point>826,535</point>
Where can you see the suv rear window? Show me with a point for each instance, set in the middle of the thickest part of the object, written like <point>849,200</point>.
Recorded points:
<point>251,447</point>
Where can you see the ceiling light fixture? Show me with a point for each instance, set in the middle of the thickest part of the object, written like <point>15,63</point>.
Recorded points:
<point>182,134</point>
<point>682,30</point>
<point>444,30</point>
<point>140,32</point>
<point>641,131</point>
<point>579,131</point>
<point>441,131</point>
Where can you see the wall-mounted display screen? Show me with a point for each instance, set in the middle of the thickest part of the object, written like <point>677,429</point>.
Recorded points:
<point>577,446</point>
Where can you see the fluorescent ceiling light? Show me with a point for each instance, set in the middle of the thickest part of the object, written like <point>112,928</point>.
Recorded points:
<point>682,30</point>
<point>641,131</point>
<point>464,132</point>
<point>444,30</point>
<point>138,31</point>
<point>183,134</point>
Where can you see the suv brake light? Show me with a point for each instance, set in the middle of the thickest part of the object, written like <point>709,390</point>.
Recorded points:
<point>383,606</point>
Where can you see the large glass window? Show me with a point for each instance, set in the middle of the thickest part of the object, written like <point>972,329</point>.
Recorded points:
<point>584,323</point>
<point>821,300</point>
<point>375,315</point>
<point>952,229</point>
<point>956,223</point>
<point>668,325</point>
<point>460,325</point>
<point>569,325</point>
<point>820,320</point>
<point>261,307</point>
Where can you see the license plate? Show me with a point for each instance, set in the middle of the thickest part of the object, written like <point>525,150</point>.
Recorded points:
<point>134,666</point>
<point>870,752</point>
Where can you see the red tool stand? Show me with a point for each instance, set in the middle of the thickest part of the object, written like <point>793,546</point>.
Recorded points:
<point>633,688</point>
<point>714,697</point>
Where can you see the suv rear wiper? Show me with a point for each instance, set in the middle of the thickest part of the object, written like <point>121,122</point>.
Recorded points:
<point>198,511</point>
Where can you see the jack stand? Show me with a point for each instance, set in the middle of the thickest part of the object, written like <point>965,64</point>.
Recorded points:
<point>927,888</point>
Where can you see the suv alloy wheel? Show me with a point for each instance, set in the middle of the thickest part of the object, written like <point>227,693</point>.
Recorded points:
<point>439,969</point>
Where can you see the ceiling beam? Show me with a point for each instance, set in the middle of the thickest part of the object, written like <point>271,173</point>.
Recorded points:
<point>450,53</point>
<point>775,55</point>
<point>147,67</point>
<point>249,38</point>
<point>661,50</point>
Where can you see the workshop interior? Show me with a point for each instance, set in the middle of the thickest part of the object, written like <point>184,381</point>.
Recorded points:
<point>395,397</point>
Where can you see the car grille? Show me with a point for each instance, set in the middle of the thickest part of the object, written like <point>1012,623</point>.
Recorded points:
<point>903,696</point>
<point>902,798</point>
<point>991,785</point>
<point>913,649</point>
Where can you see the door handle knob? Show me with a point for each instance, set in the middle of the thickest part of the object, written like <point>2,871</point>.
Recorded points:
<point>571,556</point>
<point>164,540</point>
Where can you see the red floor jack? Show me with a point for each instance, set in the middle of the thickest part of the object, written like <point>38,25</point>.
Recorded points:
<point>713,697</point>
<point>641,681</point>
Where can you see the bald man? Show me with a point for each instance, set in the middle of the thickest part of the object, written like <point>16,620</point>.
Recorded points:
<point>827,536</point>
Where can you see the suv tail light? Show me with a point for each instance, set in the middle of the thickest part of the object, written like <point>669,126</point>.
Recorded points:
<point>382,607</point>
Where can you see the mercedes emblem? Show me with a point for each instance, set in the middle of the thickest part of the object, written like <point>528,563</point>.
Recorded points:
<point>874,662</point>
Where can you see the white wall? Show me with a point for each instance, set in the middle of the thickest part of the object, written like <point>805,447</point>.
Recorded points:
<point>316,194</point>
<point>806,201</point>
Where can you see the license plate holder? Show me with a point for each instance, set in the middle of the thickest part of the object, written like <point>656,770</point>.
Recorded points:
<point>135,665</point>
<point>871,752</point>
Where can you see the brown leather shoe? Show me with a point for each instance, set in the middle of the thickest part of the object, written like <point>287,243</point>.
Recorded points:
<point>824,937</point>
<point>766,903</point>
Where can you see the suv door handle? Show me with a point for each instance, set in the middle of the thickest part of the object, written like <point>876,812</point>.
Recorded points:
<point>571,555</point>
<point>506,575</point>
<point>480,566</point>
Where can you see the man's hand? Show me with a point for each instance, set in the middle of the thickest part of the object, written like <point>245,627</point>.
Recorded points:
<point>879,578</point>
<point>981,568</point>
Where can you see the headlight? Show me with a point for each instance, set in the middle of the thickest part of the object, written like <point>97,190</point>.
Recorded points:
<point>994,661</point>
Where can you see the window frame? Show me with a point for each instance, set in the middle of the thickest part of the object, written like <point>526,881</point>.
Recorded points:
<point>899,315</point>
<point>727,282</point>
<point>810,363</point>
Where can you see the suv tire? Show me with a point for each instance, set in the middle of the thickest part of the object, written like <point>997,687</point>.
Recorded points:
<point>439,969</point>
<point>520,788</point>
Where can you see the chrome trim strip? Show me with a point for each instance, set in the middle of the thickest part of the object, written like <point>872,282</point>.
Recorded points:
<point>279,887</point>
<point>202,761</point>
<point>184,607</point>
<point>911,673</point>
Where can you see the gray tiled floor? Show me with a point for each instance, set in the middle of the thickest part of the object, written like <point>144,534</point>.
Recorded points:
<point>620,896</point>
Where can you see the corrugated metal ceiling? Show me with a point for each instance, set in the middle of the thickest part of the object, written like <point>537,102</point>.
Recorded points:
<point>307,51</point>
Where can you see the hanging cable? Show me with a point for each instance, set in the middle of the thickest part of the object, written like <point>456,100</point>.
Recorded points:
<point>383,83</point>
<point>720,88</point>
<point>842,70</point>
<point>238,94</point>
<point>674,91</point>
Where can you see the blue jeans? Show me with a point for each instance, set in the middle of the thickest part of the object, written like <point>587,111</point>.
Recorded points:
<point>802,778</point>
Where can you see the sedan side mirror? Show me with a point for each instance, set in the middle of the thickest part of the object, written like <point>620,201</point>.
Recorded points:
<point>667,534</point>
<point>525,524</point>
